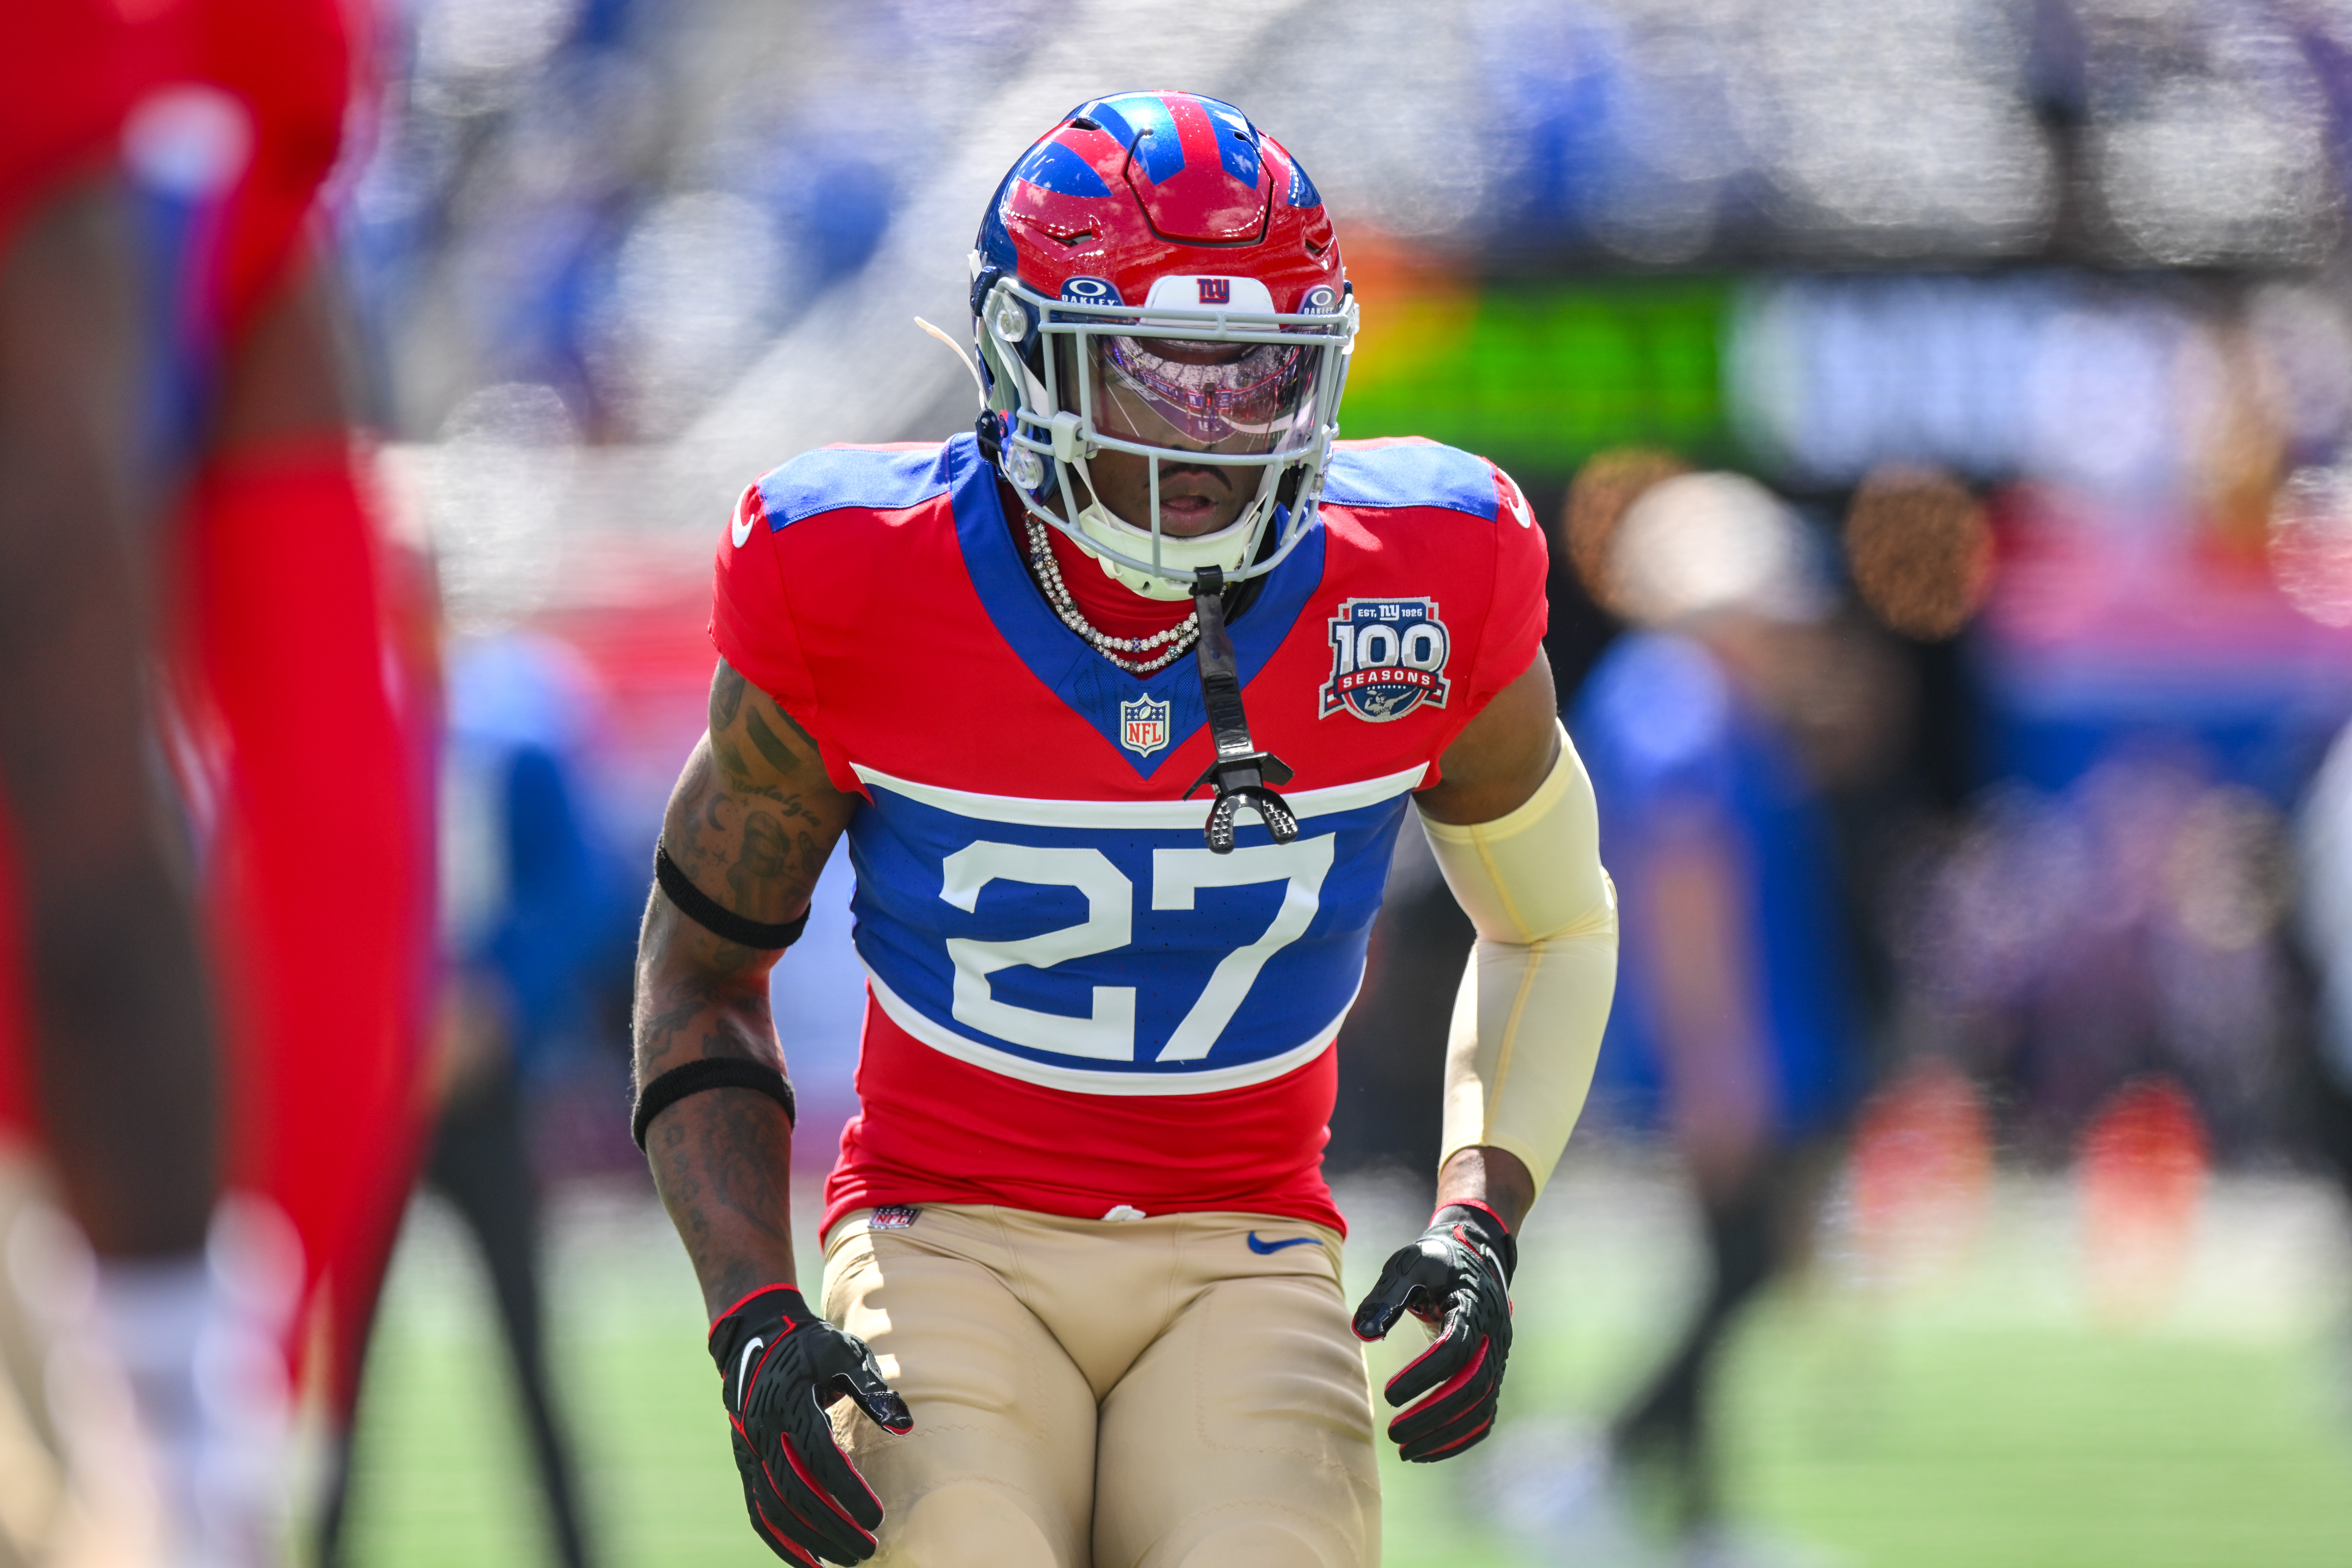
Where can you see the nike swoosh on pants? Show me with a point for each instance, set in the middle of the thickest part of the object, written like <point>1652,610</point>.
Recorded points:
<point>1262,1247</point>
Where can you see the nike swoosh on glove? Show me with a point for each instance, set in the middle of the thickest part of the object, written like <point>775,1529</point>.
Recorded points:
<point>1456,1277</point>
<point>781,1366</point>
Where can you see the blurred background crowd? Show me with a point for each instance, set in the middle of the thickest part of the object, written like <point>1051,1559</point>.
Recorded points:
<point>2020,322</point>
<point>1941,410</point>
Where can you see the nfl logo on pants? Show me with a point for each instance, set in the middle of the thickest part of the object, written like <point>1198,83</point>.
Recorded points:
<point>1143,725</point>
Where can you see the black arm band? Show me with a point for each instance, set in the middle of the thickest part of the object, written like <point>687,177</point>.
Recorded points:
<point>712,1072</point>
<point>715,917</point>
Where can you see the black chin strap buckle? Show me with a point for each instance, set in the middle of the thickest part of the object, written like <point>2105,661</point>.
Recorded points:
<point>1242,774</point>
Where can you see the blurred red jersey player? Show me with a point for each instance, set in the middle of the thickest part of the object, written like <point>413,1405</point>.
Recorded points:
<point>110,1025</point>
<point>298,715</point>
<point>301,682</point>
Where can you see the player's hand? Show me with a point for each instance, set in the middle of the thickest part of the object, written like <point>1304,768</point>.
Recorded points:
<point>1455,1277</point>
<point>780,1367</point>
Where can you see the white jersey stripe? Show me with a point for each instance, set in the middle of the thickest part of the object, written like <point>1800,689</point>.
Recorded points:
<point>1080,1081</point>
<point>1132,814</point>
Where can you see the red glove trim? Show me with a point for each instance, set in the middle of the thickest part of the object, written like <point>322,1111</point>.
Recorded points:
<point>751,1376</point>
<point>1467,1438</point>
<point>1468,1204</point>
<point>752,1297</point>
<point>778,1538</point>
<point>793,1457</point>
<point>1442,1389</point>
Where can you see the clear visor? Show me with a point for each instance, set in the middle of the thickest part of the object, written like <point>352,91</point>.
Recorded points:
<point>1242,399</point>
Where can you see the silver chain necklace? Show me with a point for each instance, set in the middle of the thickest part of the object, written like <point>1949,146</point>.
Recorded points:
<point>1178,637</point>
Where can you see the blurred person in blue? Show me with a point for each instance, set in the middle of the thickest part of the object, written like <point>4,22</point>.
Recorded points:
<point>2324,867</point>
<point>536,928</point>
<point>1707,728</point>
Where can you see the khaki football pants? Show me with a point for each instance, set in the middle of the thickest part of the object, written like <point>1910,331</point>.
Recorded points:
<point>1146,1393</point>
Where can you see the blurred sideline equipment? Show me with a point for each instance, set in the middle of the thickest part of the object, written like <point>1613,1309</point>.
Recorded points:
<point>1063,1123</point>
<point>276,655</point>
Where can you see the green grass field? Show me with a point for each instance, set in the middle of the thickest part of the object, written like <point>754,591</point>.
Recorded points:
<point>1979,1415</point>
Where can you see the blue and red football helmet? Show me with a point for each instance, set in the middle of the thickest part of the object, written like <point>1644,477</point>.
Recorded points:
<point>1156,276</point>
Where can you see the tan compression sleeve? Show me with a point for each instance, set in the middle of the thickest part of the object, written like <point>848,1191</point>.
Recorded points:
<point>1528,1019</point>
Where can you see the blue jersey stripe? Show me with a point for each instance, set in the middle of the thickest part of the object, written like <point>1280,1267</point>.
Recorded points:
<point>835,477</point>
<point>1412,473</point>
<point>1098,946</point>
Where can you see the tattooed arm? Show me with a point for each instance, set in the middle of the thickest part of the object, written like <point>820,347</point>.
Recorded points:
<point>751,823</point>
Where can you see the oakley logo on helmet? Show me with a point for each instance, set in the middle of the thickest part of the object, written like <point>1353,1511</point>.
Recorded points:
<point>1321,300</point>
<point>1090,292</point>
<point>1217,290</point>
<point>1388,658</point>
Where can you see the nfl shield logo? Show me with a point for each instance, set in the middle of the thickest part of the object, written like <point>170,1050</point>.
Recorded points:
<point>1143,725</point>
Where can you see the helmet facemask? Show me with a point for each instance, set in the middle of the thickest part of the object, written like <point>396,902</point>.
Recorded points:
<point>1254,395</point>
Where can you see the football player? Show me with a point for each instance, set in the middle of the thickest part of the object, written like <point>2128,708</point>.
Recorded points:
<point>1120,700</point>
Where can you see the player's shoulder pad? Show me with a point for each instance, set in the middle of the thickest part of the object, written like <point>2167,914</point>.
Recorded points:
<point>1410,471</point>
<point>874,478</point>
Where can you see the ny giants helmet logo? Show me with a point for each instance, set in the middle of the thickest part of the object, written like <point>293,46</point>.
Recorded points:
<point>1143,725</point>
<point>1217,290</point>
<point>1388,658</point>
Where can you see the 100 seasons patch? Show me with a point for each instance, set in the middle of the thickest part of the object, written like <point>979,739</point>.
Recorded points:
<point>1388,658</point>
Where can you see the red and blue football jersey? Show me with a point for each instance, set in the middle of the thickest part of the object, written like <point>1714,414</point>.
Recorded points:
<point>1073,1005</point>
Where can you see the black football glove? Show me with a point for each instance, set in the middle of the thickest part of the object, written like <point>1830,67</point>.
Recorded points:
<point>779,1366</point>
<point>1457,1275</point>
